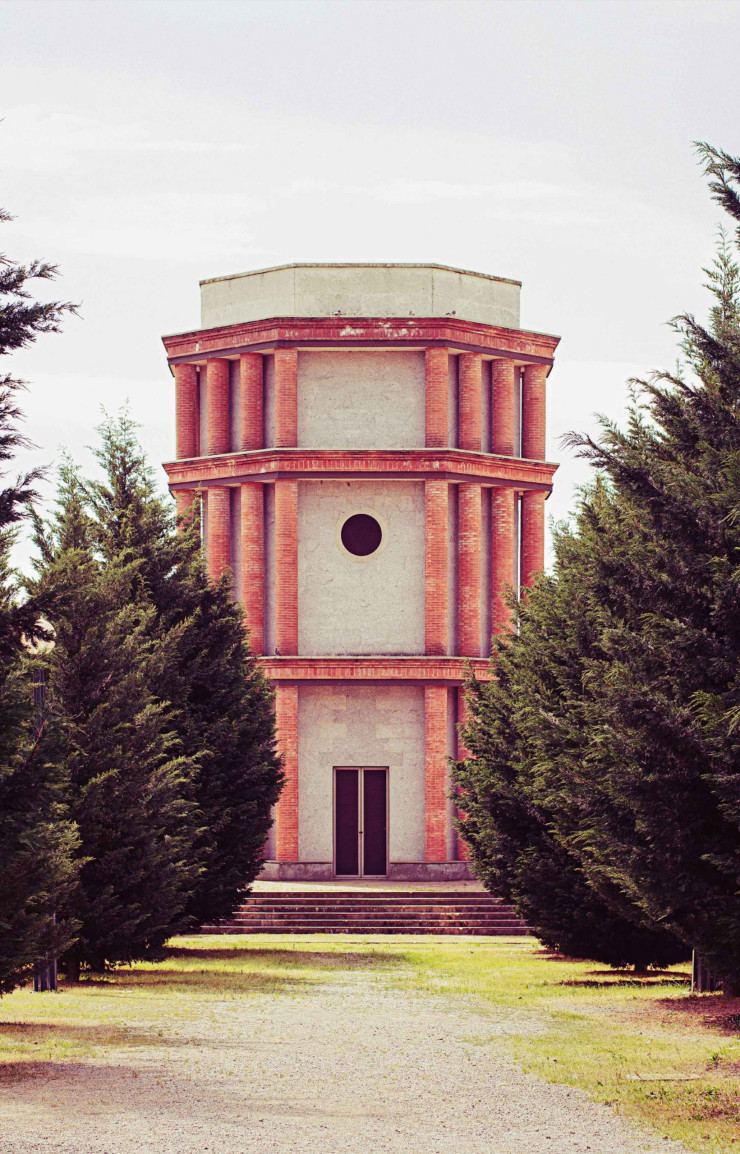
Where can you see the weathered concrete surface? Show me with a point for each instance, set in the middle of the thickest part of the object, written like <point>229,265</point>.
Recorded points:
<point>360,290</point>
<point>352,725</point>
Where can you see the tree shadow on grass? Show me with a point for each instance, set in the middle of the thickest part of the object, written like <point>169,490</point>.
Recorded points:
<point>204,981</point>
<point>609,979</point>
<point>290,959</point>
<point>94,1034</point>
<point>716,1011</point>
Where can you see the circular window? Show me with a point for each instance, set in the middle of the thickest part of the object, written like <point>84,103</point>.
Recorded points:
<point>361,535</point>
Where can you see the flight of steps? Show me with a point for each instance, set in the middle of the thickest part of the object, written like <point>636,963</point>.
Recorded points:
<point>333,911</point>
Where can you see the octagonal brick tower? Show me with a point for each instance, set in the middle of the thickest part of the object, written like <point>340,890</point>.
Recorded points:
<point>368,442</point>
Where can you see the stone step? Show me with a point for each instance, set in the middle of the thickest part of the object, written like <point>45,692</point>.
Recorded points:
<point>474,931</point>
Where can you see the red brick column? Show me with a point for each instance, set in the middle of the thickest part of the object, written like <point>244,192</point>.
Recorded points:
<point>187,415</point>
<point>503,407</point>
<point>286,567</point>
<point>470,379</point>
<point>286,814</point>
<point>185,500</point>
<point>463,854</point>
<point>253,563</point>
<point>219,531</point>
<point>533,536</point>
<point>217,406</point>
<point>435,773</point>
<point>435,568</point>
<point>251,418</point>
<point>533,412</point>
<point>469,569</point>
<point>503,552</point>
<point>286,398</point>
<point>437,385</point>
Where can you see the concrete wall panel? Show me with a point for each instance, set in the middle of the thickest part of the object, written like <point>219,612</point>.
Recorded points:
<point>364,725</point>
<point>360,400</point>
<point>368,605</point>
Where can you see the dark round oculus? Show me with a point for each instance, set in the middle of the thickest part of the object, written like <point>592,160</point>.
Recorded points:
<point>361,534</point>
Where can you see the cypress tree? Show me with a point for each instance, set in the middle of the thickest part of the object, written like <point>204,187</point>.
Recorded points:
<point>223,706</point>
<point>37,841</point>
<point>128,783</point>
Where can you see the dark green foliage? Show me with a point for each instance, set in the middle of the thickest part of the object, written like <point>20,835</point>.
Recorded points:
<point>224,709</point>
<point>36,839</point>
<point>128,785</point>
<point>629,699</point>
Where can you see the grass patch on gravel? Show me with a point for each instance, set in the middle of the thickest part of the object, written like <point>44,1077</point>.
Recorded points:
<point>640,1044</point>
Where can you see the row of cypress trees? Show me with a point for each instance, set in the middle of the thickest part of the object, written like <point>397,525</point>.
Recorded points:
<point>136,798</point>
<point>603,786</point>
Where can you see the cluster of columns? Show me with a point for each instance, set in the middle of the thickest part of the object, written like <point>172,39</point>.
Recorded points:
<point>513,393</point>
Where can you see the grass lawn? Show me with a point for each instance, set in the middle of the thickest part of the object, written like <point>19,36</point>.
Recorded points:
<point>644,1046</point>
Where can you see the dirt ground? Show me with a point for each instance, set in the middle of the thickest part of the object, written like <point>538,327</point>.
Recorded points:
<point>348,1065</point>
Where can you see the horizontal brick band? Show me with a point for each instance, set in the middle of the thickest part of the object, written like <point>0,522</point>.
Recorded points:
<point>418,464</point>
<point>452,670</point>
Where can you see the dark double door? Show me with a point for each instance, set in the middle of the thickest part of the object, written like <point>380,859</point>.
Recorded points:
<point>360,821</point>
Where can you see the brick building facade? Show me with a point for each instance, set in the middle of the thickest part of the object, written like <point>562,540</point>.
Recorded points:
<point>368,442</point>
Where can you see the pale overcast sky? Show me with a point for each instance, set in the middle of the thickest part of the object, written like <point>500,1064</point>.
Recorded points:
<point>148,144</point>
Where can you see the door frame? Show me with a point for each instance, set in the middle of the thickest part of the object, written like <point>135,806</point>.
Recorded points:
<point>360,820</point>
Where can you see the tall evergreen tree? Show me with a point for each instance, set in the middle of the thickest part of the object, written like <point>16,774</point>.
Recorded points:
<point>129,787</point>
<point>37,841</point>
<point>635,748</point>
<point>222,705</point>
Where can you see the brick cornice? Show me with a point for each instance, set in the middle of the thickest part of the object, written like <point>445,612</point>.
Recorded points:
<point>519,345</point>
<point>453,670</point>
<point>320,464</point>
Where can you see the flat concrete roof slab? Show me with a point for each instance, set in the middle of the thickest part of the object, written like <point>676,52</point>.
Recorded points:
<point>360,290</point>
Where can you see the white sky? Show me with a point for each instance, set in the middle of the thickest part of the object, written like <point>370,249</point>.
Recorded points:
<point>148,144</point>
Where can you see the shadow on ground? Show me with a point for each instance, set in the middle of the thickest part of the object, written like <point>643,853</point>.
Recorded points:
<point>280,958</point>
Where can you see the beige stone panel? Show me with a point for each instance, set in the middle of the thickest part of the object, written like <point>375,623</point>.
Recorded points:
<point>361,400</point>
<point>350,605</point>
<point>371,714</point>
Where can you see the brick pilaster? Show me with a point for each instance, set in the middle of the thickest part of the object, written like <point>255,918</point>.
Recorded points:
<point>187,411</point>
<point>435,567</point>
<point>533,536</point>
<point>286,813</point>
<point>503,552</point>
<point>251,402</point>
<point>435,773</point>
<point>469,569</point>
<point>286,398</point>
<point>503,407</point>
<point>219,530</point>
<point>463,853</point>
<point>252,530</point>
<point>533,412</point>
<point>217,406</point>
<point>437,385</point>
<point>470,386</point>
<point>286,567</point>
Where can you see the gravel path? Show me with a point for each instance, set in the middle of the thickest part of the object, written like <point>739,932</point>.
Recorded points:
<point>353,1067</point>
